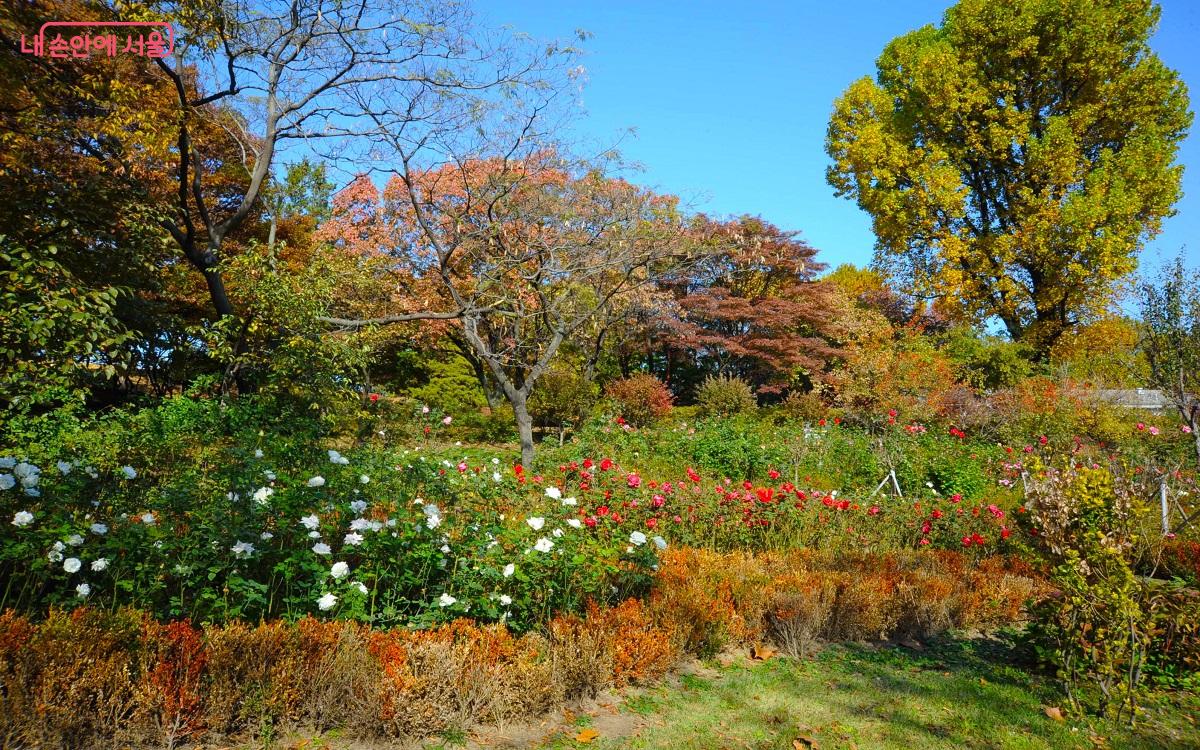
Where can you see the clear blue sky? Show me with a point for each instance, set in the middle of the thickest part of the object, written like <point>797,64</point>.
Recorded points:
<point>730,100</point>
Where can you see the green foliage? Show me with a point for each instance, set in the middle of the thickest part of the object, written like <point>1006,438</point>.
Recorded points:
<point>724,396</point>
<point>1099,632</point>
<point>305,191</point>
<point>279,345</point>
<point>988,362</point>
<point>952,474</point>
<point>451,386</point>
<point>55,328</point>
<point>734,448</point>
<point>1015,158</point>
<point>562,397</point>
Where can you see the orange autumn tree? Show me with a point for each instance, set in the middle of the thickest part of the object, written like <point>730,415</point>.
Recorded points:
<point>514,256</point>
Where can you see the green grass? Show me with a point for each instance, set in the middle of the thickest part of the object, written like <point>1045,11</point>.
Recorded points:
<point>964,693</point>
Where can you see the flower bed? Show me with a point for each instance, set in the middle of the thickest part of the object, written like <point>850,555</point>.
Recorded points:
<point>87,677</point>
<point>398,538</point>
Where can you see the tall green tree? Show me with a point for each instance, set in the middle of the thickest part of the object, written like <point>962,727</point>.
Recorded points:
<point>1015,158</point>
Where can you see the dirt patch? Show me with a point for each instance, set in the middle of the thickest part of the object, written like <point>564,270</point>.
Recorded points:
<point>604,712</point>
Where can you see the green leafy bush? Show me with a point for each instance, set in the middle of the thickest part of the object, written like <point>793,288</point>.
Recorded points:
<point>725,396</point>
<point>562,398</point>
<point>1099,633</point>
<point>734,448</point>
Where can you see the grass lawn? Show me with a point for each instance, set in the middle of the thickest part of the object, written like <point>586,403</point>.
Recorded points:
<point>958,693</point>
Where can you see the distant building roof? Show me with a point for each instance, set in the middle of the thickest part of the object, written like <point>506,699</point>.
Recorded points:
<point>1149,399</point>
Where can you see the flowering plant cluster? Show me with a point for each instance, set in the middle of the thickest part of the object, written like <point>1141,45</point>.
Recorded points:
<point>378,537</point>
<point>706,512</point>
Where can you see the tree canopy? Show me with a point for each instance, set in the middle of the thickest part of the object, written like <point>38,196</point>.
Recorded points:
<point>1016,157</point>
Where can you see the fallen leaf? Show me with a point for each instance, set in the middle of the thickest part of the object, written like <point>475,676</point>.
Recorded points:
<point>761,653</point>
<point>587,735</point>
<point>1054,712</point>
<point>805,743</point>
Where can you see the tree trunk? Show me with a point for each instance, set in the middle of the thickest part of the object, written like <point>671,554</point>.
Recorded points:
<point>216,291</point>
<point>524,430</point>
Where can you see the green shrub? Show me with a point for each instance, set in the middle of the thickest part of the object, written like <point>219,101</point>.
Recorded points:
<point>735,448</point>
<point>952,474</point>
<point>562,397</point>
<point>452,387</point>
<point>804,407</point>
<point>725,396</point>
<point>1100,631</point>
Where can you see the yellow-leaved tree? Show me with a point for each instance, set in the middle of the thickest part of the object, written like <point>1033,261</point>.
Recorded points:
<point>1015,158</point>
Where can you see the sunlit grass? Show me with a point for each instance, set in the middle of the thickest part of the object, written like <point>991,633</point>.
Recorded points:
<point>960,693</point>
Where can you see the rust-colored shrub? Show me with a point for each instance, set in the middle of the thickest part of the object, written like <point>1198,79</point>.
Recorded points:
<point>89,678</point>
<point>167,695</point>
<point>641,649</point>
<point>642,398</point>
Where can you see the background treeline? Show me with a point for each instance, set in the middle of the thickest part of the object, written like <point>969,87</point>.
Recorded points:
<point>318,206</point>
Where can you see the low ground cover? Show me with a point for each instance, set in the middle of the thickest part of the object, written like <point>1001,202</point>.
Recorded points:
<point>957,692</point>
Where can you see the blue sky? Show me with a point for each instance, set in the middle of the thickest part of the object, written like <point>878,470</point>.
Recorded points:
<point>730,100</point>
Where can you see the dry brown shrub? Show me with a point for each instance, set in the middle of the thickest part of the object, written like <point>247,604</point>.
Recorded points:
<point>460,674</point>
<point>799,612</point>
<point>255,676</point>
<point>861,610</point>
<point>344,687</point>
<point>582,658</point>
<point>77,675</point>
<point>925,604</point>
<point>426,702</point>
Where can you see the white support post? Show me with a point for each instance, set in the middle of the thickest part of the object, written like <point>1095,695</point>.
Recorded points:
<point>1166,511</point>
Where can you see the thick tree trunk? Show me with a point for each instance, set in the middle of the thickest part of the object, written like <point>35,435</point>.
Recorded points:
<point>216,291</point>
<point>524,430</point>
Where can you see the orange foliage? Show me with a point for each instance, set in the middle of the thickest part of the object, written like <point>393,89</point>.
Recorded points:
<point>91,676</point>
